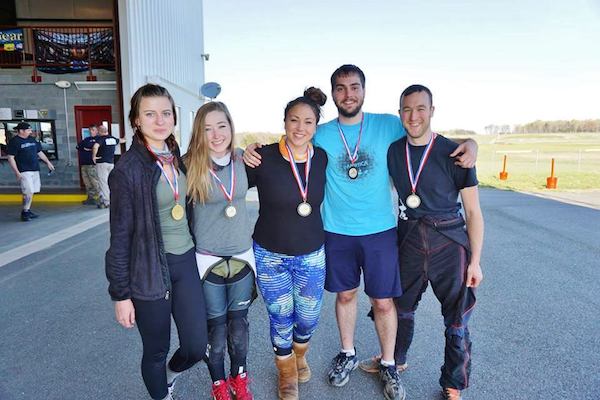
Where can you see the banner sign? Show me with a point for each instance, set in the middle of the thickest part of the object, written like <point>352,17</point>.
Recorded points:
<point>74,51</point>
<point>11,40</point>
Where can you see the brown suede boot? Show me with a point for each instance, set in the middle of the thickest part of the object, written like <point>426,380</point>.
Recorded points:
<point>304,373</point>
<point>288,377</point>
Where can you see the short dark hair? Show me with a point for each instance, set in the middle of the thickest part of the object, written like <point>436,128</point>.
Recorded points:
<point>416,89</point>
<point>345,70</point>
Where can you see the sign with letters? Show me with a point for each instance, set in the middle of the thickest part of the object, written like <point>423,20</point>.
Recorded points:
<point>11,40</point>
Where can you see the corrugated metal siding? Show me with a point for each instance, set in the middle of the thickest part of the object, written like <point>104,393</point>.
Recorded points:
<point>162,41</point>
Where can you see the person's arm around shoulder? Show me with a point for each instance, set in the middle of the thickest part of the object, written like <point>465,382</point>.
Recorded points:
<point>470,199</point>
<point>43,157</point>
<point>251,157</point>
<point>465,153</point>
<point>118,255</point>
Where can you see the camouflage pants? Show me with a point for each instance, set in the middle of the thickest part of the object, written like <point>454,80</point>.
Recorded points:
<point>90,180</point>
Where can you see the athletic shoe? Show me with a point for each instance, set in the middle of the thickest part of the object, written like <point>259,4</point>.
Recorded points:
<point>371,365</point>
<point>89,202</point>
<point>239,387</point>
<point>171,386</point>
<point>392,385</point>
<point>220,391</point>
<point>451,394</point>
<point>25,216</point>
<point>32,214</point>
<point>341,366</point>
<point>102,205</point>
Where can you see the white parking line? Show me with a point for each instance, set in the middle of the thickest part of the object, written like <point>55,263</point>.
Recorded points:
<point>50,240</point>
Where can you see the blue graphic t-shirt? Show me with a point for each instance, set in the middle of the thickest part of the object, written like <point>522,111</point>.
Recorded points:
<point>360,206</point>
<point>25,152</point>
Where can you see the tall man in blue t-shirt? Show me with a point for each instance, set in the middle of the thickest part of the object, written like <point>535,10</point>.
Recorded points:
<point>23,152</point>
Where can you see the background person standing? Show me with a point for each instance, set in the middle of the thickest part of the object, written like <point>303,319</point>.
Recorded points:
<point>103,155</point>
<point>23,152</point>
<point>88,168</point>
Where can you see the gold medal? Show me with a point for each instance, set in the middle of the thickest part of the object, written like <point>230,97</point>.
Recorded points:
<point>352,172</point>
<point>177,212</point>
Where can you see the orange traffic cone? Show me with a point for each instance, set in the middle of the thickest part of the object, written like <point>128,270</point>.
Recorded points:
<point>552,180</point>
<point>503,173</point>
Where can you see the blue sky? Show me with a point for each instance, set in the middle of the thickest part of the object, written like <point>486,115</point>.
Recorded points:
<point>487,62</point>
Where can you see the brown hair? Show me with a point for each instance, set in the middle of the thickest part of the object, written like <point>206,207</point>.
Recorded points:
<point>197,158</point>
<point>313,97</point>
<point>151,90</point>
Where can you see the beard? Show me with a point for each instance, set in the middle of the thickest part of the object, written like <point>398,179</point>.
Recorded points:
<point>351,113</point>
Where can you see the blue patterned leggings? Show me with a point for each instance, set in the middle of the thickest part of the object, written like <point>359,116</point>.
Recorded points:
<point>292,288</point>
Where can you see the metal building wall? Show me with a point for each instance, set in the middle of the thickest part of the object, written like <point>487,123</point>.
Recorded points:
<point>162,42</point>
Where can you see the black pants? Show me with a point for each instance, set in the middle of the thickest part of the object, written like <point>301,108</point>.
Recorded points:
<point>153,318</point>
<point>439,256</point>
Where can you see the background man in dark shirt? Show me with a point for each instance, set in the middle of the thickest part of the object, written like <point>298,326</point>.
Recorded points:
<point>88,167</point>
<point>23,152</point>
<point>103,155</point>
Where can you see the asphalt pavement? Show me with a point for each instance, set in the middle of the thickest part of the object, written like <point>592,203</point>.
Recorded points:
<point>534,331</point>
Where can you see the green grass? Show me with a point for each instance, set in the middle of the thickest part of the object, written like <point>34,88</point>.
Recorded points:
<point>529,160</point>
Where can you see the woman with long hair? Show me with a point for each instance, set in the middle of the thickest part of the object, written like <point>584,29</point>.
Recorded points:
<point>289,237</point>
<point>151,264</point>
<point>217,187</point>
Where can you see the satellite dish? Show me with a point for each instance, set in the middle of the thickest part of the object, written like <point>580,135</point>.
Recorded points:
<point>210,90</point>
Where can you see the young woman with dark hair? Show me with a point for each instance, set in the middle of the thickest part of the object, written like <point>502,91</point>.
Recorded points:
<point>151,264</point>
<point>289,236</point>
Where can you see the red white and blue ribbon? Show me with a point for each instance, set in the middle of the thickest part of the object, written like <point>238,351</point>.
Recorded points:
<point>296,172</point>
<point>228,194</point>
<point>174,187</point>
<point>167,159</point>
<point>354,156</point>
<point>414,180</point>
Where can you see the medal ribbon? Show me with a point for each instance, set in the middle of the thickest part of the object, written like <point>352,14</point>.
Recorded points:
<point>228,195</point>
<point>167,159</point>
<point>303,188</point>
<point>414,180</point>
<point>174,188</point>
<point>354,156</point>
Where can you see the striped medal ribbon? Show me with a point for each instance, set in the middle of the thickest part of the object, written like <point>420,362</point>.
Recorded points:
<point>304,208</point>
<point>413,200</point>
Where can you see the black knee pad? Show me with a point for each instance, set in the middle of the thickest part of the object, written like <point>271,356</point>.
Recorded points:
<point>238,336</point>
<point>217,340</point>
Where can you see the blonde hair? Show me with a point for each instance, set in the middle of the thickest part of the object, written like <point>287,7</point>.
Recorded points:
<point>197,158</point>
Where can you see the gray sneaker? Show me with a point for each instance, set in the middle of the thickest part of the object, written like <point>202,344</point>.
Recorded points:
<point>341,366</point>
<point>392,385</point>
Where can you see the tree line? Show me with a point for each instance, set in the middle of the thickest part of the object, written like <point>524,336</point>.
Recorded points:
<point>539,126</point>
